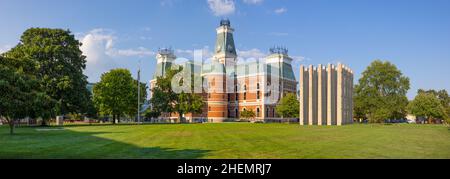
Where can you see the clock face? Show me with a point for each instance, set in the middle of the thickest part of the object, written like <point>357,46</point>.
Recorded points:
<point>230,48</point>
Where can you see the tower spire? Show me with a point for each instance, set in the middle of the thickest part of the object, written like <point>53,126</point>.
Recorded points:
<point>225,50</point>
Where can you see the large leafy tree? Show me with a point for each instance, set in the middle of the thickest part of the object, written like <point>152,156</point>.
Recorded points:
<point>443,98</point>
<point>427,105</point>
<point>116,94</point>
<point>288,106</point>
<point>60,66</point>
<point>165,100</point>
<point>21,95</point>
<point>381,92</point>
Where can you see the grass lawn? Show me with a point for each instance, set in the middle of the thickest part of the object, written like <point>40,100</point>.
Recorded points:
<point>228,140</point>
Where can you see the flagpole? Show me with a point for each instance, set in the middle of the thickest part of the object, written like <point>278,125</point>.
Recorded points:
<point>139,93</point>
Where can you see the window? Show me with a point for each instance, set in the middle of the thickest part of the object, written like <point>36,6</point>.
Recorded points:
<point>267,112</point>
<point>257,112</point>
<point>209,108</point>
<point>257,86</point>
<point>245,95</point>
<point>257,95</point>
<point>229,97</point>
<point>209,95</point>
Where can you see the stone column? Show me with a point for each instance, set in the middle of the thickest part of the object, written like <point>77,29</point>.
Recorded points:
<point>312,112</point>
<point>339,96</point>
<point>331,95</point>
<point>319,95</point>
<point>303,96</point>
<point>345,95</point>
<point>351,97</point>
<point>322,95</point>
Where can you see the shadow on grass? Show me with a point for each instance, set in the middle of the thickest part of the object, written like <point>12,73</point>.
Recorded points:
<point>68,144</point>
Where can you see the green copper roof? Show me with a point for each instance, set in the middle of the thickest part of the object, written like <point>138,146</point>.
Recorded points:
<point>288,72</point>
<point>269,69</point>
<point>225,44</point>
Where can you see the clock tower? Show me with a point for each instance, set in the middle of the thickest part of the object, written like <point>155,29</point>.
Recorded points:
<point>225,51</point>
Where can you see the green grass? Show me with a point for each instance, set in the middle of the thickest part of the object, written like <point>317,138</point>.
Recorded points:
<point>228,140</point>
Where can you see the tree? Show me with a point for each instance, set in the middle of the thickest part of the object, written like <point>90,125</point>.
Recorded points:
<point>443,98</point>
<point>90,110</point>
<point>427,105</point>
<point>116,94</point>
<point>20,93</point>
<point>151,114</point>
<point>248,114</point>
<point>288,106</point>
<point>381,92</point>
<point>60,67</point>
<point>165,100</point>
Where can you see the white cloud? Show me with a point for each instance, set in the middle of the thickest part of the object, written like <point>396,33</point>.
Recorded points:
<point>146,29</point>
<point>221,7</point>
<point>279,34</point>
<point>280,10</point>
<point>253,1</point>
<point>101,55</point>
<point>189,54</point>
<point>139,52</point>
<point>100,41</point>
<point>145,38</point>
<point>166,3</point>
<point>252,53</point>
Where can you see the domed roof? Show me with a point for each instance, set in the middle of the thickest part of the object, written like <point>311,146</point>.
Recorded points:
<point>225,22</point>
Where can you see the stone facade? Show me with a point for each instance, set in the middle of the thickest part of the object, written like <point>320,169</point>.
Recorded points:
<point>326,95</point>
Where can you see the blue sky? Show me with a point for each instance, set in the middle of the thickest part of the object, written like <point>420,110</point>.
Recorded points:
<point>413,34</point>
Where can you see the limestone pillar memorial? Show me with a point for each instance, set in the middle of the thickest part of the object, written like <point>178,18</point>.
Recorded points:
<point>326,95</point>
